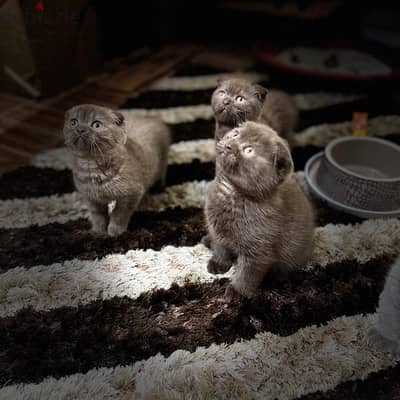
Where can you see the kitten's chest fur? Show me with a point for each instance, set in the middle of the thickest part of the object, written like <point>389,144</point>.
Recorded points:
<point>97,182</point>
<point>228,215</point>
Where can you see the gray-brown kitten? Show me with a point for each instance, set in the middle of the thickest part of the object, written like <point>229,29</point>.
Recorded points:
<point>256,211</point>
<point>385,335</point>
<point>115,158</point>
<point>235,101</point>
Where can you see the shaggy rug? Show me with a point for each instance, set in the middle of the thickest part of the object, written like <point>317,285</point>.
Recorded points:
<point>139,317</point>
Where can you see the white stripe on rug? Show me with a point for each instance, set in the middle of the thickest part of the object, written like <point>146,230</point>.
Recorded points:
<point>173,115</point>
<point>204,150</point>
<point>202,82</point>
<point>312,101</point>
<point>21,213</point>
<point>77,281</point>
<point>179,153</point>
<point>182,114</point>
<point>306,101</point>
<point>266,367</point>
<point>321,135</point>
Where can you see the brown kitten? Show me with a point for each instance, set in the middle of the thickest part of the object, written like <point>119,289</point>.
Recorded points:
<point>256,211</point>
<point>115,157</point>
<point>235,101</point>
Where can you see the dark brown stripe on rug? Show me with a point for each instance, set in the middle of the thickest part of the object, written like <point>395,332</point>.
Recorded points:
<point>329,114</point>
<point>198,129</point>
<point>382,385</point>
<point>31,181</point>
<point>51,243</point>
<point>344,111</point>
<point>204,128</point>
<point>121,330</point>
<point>170,98</point>
<point>59,242</point>
<point>199,69</point>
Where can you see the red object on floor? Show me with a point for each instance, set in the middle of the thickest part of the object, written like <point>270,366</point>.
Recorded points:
<point>40,6</point>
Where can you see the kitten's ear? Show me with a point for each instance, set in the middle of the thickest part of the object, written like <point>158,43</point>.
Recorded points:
<point>118,118</point>
<point>220,82</point>
<point>283,162</point>
<point>260,92</point>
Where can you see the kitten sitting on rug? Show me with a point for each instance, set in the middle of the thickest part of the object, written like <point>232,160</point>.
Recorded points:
<point>236,100</point>
<point>385,336</point>
<point>115,157</point>
<point>256,211</point>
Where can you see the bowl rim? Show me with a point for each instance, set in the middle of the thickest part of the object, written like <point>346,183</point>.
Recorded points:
<point>328,154</point>
<point>361,212</point>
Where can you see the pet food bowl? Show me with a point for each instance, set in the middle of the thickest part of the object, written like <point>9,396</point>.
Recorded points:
<point>360,175</point>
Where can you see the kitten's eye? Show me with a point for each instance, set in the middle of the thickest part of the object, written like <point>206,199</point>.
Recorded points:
<point>248,151</point>
<point>240,99</point>
<point>235,134</point>
<point>96,125</point>
<point>74,122</point>
<point>221,92</point>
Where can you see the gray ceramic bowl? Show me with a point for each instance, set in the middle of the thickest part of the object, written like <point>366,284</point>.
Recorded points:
<point>361,172</point>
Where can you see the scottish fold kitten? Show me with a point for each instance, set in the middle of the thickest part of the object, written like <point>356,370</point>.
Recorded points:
<point>256,212</point>
<point>235,101</point>
<point>385,335</point>
<point>115,158</point>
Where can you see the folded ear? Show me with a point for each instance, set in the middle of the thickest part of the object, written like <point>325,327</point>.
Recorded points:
<point>260,92</point>
<point>283,162</point>
<point>220,82</point>
<point>118,118</point>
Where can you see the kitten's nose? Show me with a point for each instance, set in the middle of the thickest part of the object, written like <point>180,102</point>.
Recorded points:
<point>230,146</point>
<point>81,130</point>
<point>226,101</point>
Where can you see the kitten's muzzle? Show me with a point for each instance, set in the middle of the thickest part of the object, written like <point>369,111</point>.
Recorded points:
<point>226,102</point>
<point>230,146</point>
<point>228,150</point>
<point>81,130</point>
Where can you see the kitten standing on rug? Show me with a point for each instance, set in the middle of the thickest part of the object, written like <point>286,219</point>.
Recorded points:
<point>235,101</point>
<point>115,158</point>
<point>385,335</point>
<point>256,212</point>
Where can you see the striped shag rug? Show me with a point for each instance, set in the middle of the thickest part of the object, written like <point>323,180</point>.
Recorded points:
<point>139,317</point>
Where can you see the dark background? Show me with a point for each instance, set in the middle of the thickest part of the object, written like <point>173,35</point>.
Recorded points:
<point>73,39</point>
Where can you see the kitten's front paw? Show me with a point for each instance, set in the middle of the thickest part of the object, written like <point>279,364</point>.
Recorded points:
<point>245,290</point>
<point>380,343</point>
<point>231,295</point>
<point>115,230</point>
<point>216,268</point>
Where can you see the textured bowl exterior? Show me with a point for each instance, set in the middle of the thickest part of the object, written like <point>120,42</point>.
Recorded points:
<point>310,174</point>
<point>356,191</point>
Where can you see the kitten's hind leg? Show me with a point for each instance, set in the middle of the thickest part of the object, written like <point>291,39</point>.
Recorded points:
<point>163,177</point>
<point>249,275</point>
<point>121,214</point>
<point>161,183</point>
<point>98,216</point>
<point>380,343</point>
<point>221,260</point>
